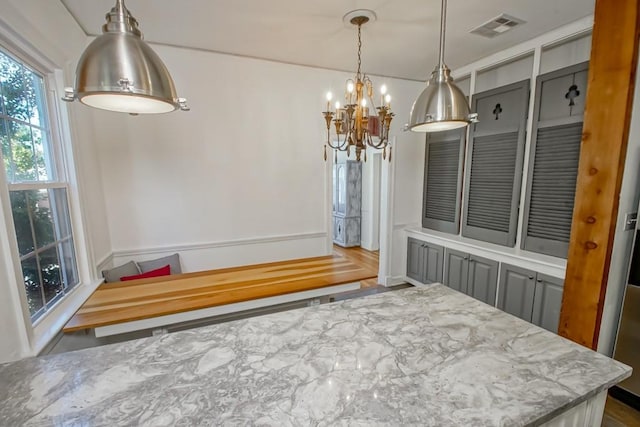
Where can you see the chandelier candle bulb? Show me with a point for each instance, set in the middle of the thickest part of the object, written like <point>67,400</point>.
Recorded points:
<point>383,92</point>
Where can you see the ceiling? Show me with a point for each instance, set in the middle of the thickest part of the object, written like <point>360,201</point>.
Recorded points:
<point>402,42</point>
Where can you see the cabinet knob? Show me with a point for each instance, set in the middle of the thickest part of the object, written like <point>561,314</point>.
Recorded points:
<point>539,280</point>
<point>530,277</point>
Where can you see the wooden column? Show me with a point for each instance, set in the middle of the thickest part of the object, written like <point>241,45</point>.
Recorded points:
<point>607,116</point>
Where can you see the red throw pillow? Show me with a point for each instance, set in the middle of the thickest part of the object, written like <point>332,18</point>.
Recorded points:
<point>163,271</point>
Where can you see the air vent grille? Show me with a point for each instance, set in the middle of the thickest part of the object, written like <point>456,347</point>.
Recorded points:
<point>498,25</point>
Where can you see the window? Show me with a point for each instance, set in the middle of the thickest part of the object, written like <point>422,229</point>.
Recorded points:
<point>37,187</point>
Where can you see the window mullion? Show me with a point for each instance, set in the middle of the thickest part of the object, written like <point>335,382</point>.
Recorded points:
<point>22,186</point>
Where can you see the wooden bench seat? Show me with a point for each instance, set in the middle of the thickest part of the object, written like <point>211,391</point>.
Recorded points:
<point>115,303</point>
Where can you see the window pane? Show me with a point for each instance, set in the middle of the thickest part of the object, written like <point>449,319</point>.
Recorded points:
<point>15,93</point>
<point>68,265</point>
<point>21,221</point>
<point>60,212</point>
<point>32,285</point>
<point>41,216</point>
<point>50,269</point>
<point>5,145</point>
<point>42,158</point>
<point>37,103</point>
<point>23,153</point>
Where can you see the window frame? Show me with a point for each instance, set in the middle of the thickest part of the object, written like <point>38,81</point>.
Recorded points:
<point>61,179</point>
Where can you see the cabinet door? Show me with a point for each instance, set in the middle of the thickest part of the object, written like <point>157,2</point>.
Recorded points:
<point>433,257</point>
<point>353,196</point>
<point>482,279</point>
<point>456,270</point>
<point>415,259</point>
<point>517,289</point>
<point>338,230</point>
<point>553,104</point>
<point>547,302</point>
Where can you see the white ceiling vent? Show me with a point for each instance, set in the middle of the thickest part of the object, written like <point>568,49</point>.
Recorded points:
<point>496,26</point>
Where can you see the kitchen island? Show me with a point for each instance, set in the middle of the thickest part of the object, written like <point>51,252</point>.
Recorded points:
<point>420,356</point>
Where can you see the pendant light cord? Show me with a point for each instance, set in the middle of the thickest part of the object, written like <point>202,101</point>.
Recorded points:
<point>443,29</point>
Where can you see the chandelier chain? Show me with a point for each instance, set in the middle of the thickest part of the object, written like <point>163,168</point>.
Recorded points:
<point>359,49</point>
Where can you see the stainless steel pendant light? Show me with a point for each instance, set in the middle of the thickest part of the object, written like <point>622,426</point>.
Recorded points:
<point>120,72</point>
<point>442,105</point>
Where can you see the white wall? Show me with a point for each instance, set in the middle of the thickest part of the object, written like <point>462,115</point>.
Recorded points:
<point>240,178</point>
<point>371,182</point>
<point>44,33</point>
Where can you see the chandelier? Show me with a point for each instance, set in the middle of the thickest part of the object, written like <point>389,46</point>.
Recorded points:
<point>354,128</point>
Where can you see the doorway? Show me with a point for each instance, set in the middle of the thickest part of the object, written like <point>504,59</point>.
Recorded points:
<point>374,207</point>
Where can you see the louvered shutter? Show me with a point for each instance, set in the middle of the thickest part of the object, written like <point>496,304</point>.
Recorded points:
<point>443,179</point>
<point>553,167</point>
<point>494,170</point>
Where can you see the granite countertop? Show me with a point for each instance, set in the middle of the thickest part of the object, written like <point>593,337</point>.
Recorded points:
<point>421,356</point>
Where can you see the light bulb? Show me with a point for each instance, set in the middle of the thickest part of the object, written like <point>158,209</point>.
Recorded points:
<point>329,96</point>
<point>350,87</point>
<point>337,105</point>
<point>383,89</point>
<point>364,102</point>
<point>387,98</point>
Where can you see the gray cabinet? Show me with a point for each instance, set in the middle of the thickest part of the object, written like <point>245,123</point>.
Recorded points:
<point>424,261</point>
<point>347,201</point>
<point>553,162</point>
<point>517,289</point>
<point>547,302</point>
<point>493,174</point>
<point>473,275</point>
<point>531,296</point>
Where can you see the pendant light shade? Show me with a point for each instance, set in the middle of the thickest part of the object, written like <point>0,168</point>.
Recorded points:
<point>441,105</point>
<point>120,72</point>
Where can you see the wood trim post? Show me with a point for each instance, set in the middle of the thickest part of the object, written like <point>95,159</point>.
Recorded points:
<point>609,102</point>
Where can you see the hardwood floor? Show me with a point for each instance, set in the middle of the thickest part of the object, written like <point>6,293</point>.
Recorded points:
<point>617,414</point>
<point>367,259</point>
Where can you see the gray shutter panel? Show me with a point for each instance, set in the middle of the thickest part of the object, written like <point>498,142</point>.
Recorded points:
<point>553,170</point>
<point>494,170</point>
<point>493,163</point>
<point>443,179</point>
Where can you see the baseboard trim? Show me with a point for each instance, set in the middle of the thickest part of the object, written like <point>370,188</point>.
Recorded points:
<point>402,226</point>
<point>394,280</point>
<point>212,245</point>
